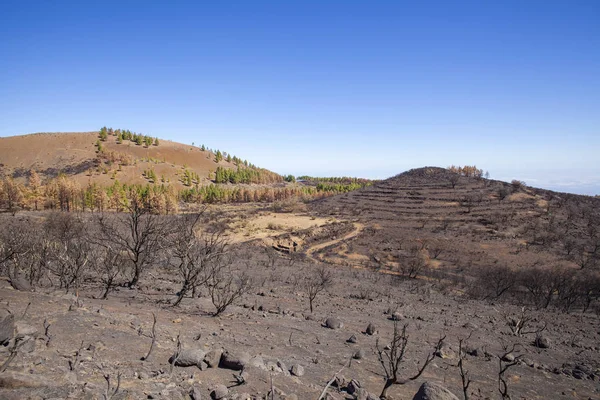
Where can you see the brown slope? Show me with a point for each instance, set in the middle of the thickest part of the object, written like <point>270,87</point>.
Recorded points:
<point>473,223</point>
<point>75,155</point>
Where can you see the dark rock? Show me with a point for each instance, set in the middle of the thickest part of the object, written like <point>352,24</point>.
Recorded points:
<point>352,339</point>
<point>359,354</point>
<point>7,329</point>
<point>333,323</point>
<point>339,381</point>
<point>473,351</point>
<point>543,342</point>
<point>188,358</point>
<point>234,361</point>
<point>371,330</point>
<point>396,316</point>
<point>353,386</point>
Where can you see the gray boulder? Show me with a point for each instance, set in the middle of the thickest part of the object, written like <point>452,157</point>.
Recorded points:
<point>235,361</point>
<point>219,392</point>
<point>371,330</point>
<point>396,316</point>
<point>213,357</point>
<point>20,283</point>
<point>188,358</point>
<point>543,342</point>
<point>433,391</point>
<point>23,329</point>
<point>195,393</point>
<point>359,354</point>
<point>297,370</point>
<point>333,323</point>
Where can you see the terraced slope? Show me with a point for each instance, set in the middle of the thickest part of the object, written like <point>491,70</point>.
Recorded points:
<point>475,222</point>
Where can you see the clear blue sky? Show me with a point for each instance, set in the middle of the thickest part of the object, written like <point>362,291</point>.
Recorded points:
<point>368,88</point>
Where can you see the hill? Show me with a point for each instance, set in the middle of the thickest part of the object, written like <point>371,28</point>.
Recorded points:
<point>78,156</point>
<point>432,221</point>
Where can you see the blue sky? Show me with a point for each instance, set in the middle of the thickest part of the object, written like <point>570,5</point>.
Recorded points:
<point>368,88</point>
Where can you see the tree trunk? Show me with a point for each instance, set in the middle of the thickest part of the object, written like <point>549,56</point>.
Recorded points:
<point>388,384</point>
<point>181,295</point>
<point>136,277</point>
<point>107,289</point>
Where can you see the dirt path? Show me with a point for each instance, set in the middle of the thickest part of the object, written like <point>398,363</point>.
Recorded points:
<point>358,228</point>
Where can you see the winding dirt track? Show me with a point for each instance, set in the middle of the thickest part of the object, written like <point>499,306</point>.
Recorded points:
<point>358,228</point>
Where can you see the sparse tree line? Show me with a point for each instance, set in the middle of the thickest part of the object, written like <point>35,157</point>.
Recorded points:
<point>562,287</point>
<point>63,193</point>
<point>211,194</point>
<point>101,252</point>
<point>569,227</point>
<point>125,134</point>
<point>345,180</point>
<point>246,175</point>
<point>468,171</point>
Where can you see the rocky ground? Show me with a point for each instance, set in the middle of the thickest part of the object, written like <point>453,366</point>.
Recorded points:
<point>281,345</point>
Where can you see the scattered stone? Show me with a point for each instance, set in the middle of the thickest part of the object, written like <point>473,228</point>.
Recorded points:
<point>353,386</point>
<point>213,357</point>
<point>371,330</point>
<point>433,391</point>
<point>273,367</point>
<point>195,393</point>
<point>234,361</point>
<point>20,283</point>
<point>24,329</point>
<point>508,357</point>
<point>362,394</point>
<point>219,392</point>
<point>283,367</point>
<point>339,381</point>
<point>396,316</point>
<point>7,329</point>
<point>445,351</point>
<point>359,354</point>
<point>333,323</point>
<point>297,370</point>
<point>258,362</point>
<point>352,339</point>
<point>470,326</point>
<point>188,358</point>
<point>141,375</point>
<point>473,351</point>
<point>543,342</point>
<point>28,345</point>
